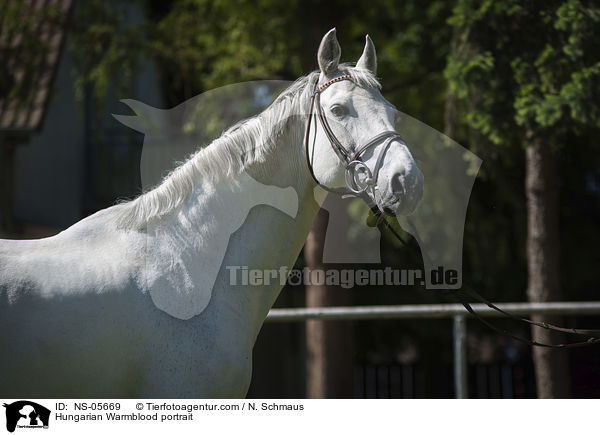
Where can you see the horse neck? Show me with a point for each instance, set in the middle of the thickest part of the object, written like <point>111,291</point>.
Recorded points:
<point>287,236</point>
<point>268,239</point>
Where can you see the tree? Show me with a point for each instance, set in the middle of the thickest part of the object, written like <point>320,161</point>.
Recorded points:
<point>527,74</point>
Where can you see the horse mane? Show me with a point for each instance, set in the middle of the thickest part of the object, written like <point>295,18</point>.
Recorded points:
<point>248,142</point>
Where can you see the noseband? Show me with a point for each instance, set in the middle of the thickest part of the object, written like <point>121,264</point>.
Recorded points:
<point>359,178</point>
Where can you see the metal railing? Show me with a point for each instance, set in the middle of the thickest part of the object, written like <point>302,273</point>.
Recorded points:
<point>436,311</point>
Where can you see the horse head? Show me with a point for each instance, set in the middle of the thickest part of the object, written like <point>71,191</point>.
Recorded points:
<point>350,138</point>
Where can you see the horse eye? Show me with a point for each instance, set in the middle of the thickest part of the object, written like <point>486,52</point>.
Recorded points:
<point>338,110</point>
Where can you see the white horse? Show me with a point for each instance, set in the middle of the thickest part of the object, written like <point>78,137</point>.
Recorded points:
<point>78,311</point>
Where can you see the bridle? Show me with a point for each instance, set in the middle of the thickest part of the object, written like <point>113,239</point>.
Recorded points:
<point>360,181</point>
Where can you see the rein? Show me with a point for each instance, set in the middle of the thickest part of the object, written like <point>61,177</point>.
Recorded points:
<point>593,335</point>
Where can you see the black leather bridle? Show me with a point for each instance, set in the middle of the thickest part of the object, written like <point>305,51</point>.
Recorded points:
<point>359,178</point>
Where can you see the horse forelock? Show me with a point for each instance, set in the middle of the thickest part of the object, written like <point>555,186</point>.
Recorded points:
<point>245,143</point>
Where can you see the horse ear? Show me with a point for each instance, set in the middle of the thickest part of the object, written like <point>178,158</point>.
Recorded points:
<point>329,53</point>
<point>368,59</point>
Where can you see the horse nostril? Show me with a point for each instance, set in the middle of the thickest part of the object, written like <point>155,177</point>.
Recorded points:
<point>398,184</point>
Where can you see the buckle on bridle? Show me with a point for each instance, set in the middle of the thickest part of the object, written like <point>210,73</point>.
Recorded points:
<point>358,177</point>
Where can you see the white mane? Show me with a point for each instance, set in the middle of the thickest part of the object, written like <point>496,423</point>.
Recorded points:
<point>245,143</point>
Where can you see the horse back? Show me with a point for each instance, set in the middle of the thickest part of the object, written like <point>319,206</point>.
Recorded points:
<point>65,302</point>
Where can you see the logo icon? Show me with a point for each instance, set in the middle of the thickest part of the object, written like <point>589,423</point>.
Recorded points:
<point>26,414</point>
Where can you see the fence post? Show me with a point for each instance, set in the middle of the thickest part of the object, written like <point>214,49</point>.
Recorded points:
<point>460,357</point>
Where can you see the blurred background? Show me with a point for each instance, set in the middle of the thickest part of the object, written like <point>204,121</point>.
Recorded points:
<point>515,82</point>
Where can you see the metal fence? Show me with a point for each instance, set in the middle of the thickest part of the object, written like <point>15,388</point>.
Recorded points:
<point>436,311</point>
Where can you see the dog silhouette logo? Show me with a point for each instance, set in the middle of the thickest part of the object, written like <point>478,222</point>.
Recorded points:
<point>26,414</point>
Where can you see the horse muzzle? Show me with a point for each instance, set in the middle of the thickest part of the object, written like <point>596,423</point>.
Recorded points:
<point>403,190</point>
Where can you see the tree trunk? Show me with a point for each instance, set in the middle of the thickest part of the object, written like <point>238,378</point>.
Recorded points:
<point>541,186</point>
<point>329,343</point>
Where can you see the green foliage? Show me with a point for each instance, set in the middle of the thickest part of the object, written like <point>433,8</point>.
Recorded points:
<point>201,44</point>
<point>526,69</point>
<point>197,44</point>
<point>210,44</point>
<point>105,49</point>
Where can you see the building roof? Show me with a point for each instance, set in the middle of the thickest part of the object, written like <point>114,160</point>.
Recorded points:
<point>31,39</point>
